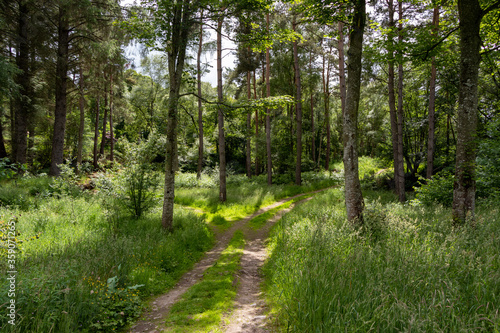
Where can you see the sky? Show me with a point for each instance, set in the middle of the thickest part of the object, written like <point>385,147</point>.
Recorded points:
<point>228,56</point>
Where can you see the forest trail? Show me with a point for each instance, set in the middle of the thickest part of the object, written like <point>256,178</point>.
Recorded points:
<point>248,315</point>
<point>250,310</point>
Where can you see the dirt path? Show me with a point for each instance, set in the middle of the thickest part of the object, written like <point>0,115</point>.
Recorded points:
<point>250,311</point>
<point>152,321</point>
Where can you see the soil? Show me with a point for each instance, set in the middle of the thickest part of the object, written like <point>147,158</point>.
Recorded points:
<point>250,310</point>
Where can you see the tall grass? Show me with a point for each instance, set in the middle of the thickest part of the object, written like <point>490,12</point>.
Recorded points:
<point>413,272</point>
<point>244,196</point>
<point>76,273</point>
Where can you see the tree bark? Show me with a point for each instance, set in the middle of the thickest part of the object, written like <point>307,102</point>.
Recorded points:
<point>342,67</point>
<point>22,101</point>
<point>353,196</point>
<point>104,119</point>
<point>326,93</point>
<point>470,15</point>
<point>313,135</point>
<point>249,128</point>
<point>298,108</point>
<point>96,131</point>
<point>220,97</point>
<point>200,107</point>
<point>392,95</point>
<point>257,164</point>
<point>181,25</point>
<point>268,119</point>
<point>400,160</point>
<point>111,134</point>
<point>432,98</point>
<point>61,92</point>
<point>3,151</point>
<point>81,127</point>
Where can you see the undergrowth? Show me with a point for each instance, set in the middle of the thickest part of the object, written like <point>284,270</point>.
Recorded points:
<point>84,267</point>
<point>410,270</point>
<point>244,196</point>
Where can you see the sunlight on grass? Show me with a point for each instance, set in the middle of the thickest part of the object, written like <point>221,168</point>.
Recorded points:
<point>410,271</point>
<point>244,196</point>
<point>68,252</point>
<point>260,220</point>
<point>202,307</point>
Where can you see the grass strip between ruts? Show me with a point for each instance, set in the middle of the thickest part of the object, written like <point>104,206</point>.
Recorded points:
<point>202,307</point>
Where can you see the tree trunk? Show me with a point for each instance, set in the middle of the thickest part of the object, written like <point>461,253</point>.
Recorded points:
<point>12,113</point>
<point>326,92</point>
<point>176,57</point>
<point>200,107</point>
<point>257,164</point>
<point>400,160</point>
<point>3,152</point>
<point>432,98</point>
<point>111,134</point>
<point>22,100</point>
<point>30,155</point>
<point>353,196</point>
<point>61,93</point>
<point>81,127</point>
<point>342,67</point>
<point>249,128</point>
<point>268,119</point>
<point>313,136</point>
<point>220,98</point>
<point>392,95</point>
<point>464,192</point>
<point>298,108</point>
<point>96,131</point>
<point>104,119</point>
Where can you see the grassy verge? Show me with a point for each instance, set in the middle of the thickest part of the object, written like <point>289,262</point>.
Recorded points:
<point>409,270</point>
<point>244,196</point>
<point>202,307</point>
<point>83,268</point>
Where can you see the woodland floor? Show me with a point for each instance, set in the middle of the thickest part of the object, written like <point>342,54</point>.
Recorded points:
<point>249,313</point>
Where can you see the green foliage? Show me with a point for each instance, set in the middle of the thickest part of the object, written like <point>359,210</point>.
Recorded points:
<point>424,275</point>
<point>140,185</point>
<point>67,182</point>
<point>9,170</point>
<point>375,222</point>
<point>488,161</point>
<point>438,189</point>
<point>77,275</point>
<point>116,307</point>
<point>25,192</point>
<point>140,181</point>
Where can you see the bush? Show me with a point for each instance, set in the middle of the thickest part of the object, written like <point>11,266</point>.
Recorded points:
<point>438,189</point>
<point>140,183</point>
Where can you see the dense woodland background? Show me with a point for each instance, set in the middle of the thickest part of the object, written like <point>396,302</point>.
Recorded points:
<point>394,102</point>
<point>70,95</point>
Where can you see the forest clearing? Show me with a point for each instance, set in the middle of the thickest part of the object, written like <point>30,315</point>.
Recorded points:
<point>249,166</point>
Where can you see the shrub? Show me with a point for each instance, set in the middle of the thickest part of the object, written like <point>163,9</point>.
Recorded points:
<point>438,189</point>
<point>139,188</point>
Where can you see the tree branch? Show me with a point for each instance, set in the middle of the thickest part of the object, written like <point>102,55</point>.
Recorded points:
<point>426,52</point>
<point>492,7</point>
